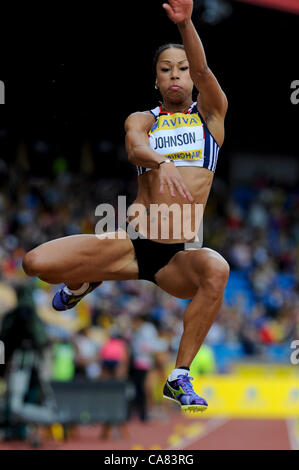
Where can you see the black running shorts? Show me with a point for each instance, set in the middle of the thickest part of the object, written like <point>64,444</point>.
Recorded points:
<point>152,255</point>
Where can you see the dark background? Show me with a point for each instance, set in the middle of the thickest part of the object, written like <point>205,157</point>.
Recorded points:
<point>76,73</point>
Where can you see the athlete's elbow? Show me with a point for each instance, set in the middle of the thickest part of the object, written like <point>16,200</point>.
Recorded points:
<point>131,160</point>
<point>137,153</point>
<point>132,156</point>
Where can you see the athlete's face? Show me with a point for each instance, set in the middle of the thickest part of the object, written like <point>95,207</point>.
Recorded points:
<point>172,75</point>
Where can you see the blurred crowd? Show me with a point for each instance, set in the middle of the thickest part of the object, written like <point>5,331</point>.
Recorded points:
<point>256,228</point>
<point>132,328</point>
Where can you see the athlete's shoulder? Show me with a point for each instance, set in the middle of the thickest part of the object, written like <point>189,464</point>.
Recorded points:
<point>140,120</point>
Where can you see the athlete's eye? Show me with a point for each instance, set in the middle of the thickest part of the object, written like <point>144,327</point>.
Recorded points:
<point>184,68</point>
<point>164,69</point>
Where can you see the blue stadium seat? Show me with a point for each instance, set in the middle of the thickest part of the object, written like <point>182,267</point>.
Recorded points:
<point>239,285</point>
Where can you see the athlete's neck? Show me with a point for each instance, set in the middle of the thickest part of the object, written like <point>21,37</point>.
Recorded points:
<point>176,107</point>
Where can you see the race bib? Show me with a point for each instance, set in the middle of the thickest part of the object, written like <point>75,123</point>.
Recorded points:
<point>179,137</point>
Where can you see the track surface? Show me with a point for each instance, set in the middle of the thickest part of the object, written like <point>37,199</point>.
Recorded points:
<point>176,431</point>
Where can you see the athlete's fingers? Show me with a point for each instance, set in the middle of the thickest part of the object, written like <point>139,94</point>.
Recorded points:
<point>168,10</point>
<point>186,190</point>
<point>179,184</point>
<point>189,195</point>
<point>171,187</point>
<point>167,7</point>
<point>180,189</point>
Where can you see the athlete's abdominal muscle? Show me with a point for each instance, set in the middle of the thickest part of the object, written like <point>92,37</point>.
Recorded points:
<point>184,217</point>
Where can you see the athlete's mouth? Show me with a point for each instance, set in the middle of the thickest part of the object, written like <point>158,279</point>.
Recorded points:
<point>175,87</point>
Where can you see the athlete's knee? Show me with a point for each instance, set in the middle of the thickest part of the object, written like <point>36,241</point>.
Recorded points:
<point>213,273</point>
<point>31,263</point>
<point>216,273</point>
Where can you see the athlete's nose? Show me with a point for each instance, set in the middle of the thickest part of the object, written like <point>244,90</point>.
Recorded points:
<point>175,74</point>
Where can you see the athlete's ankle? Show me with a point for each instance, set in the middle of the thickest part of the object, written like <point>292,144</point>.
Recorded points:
<point>77,290</point>
<point>183,370</point>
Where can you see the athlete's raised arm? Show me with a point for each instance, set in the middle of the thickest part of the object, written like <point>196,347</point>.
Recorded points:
<point>213,101</point>
<point>137,126</point>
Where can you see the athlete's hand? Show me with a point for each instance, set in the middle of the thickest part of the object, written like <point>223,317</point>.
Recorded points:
<point>179,11</point>
<point>170,175</point>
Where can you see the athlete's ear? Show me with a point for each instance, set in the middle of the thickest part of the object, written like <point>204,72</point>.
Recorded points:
<point>156,85</point>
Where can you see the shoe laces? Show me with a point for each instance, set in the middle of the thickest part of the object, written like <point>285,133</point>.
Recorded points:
<point>184,382</point>
<point>65,295</point>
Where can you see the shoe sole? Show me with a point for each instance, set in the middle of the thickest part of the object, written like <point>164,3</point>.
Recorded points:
<point>191,408</point>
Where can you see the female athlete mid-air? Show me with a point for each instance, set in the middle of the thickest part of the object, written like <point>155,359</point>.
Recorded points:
<point>175,148</point>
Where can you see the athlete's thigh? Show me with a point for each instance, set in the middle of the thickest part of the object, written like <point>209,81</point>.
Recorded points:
<point>90,257</point>
<point>180,277</point>
<point>116,258</point>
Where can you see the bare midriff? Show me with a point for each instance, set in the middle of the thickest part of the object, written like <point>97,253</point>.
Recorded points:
<point>171,219</point>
